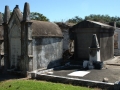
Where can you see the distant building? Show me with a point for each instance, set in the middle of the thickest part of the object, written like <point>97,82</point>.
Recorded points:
<point>82,33</point>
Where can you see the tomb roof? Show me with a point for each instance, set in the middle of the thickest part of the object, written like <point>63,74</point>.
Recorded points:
<point>45,28</point>
<point>92,24</point>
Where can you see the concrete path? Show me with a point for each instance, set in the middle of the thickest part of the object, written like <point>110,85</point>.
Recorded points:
<point>111,70</point>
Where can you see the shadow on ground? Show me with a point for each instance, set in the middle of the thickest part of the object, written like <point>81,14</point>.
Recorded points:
<point>7,76</point>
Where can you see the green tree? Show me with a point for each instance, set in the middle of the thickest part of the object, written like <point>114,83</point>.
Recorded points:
<point>35,16</point>
<point>104,19</point>
<point>38,16</point>
<point>100,18</point>
<point>76,19</point>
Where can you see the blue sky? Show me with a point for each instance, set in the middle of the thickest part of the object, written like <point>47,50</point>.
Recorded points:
<point>61,10</point>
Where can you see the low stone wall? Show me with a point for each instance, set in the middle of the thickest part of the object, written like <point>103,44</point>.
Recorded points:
<point>75,81</point>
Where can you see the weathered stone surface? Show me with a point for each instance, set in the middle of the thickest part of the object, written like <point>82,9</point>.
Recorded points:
<point>94,43</point>
<point>82,33</point>
<point>45,29</point>
<point>94,50</point>
<point>67,43</point>
<point>30,44</point>
<point>105,79</point>
<point>26,12</point>
<point>6,14</point>
<point>116,40</point>
<point>1,19</point>
<point>47,52</point>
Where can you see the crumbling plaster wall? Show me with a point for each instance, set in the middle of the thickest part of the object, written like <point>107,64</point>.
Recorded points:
<point>47,52</point>
<point>66,39</point>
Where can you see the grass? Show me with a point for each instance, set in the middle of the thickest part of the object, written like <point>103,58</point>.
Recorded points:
<point>20,84</point>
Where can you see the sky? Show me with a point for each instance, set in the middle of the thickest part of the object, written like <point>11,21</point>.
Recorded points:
<point>62,10</point>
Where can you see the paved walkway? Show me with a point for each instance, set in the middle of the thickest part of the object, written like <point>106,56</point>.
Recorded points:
<point>113,74</point>
<point>111,70</point>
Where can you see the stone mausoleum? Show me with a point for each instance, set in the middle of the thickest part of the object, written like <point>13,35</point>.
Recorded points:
<point>30,44</point>
<point>82,33</point>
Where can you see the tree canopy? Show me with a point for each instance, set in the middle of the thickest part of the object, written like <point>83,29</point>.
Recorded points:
<point>38,16</point>
<point>76,19</point>
<point>100,18</point>
<point>35,16</point>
